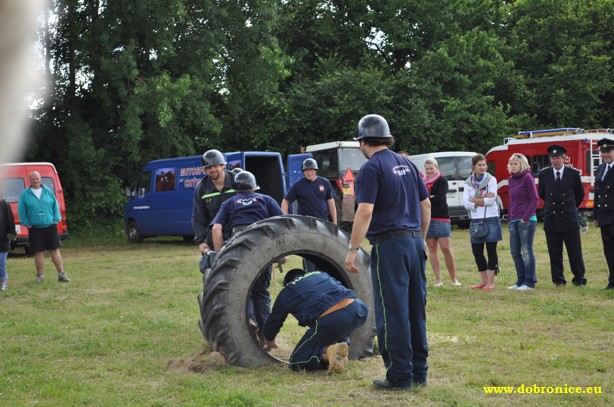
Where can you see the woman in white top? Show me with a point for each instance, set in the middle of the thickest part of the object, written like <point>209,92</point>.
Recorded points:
<point>480,197</point>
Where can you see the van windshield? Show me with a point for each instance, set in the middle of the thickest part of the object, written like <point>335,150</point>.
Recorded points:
<point>13,187</point>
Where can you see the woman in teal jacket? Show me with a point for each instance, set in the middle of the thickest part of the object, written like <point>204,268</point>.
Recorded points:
<point>39,211</point>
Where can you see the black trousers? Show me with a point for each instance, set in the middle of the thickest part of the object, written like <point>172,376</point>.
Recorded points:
<point>607,237</point>
<point>573,244</point>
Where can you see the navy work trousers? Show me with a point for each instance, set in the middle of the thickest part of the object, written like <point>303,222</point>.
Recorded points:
<point>332,328</point>
<point>399,295</point>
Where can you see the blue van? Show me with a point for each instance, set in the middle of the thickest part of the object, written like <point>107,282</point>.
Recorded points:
<point>161,202</point>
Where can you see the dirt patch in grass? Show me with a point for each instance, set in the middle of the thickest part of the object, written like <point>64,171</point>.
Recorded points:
<point>201,362</point>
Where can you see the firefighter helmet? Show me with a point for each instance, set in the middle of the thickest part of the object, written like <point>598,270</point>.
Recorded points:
<point>213,157</point>
<point>309,164</point>
<point>372,126</point>
<point>236,170</point>
<point>246,181</point>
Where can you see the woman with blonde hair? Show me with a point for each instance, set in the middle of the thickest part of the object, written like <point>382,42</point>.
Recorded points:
<point>480,197</point>
<point>440,226</point>
<point>522,221</point>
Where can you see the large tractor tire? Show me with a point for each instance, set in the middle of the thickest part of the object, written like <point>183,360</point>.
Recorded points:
<point>223,304</point>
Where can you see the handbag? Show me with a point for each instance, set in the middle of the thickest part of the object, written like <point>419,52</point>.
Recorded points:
<point>478,227</point>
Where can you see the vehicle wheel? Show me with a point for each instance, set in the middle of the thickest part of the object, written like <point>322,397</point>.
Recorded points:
<point>223,306</point>
<point>133,232</point>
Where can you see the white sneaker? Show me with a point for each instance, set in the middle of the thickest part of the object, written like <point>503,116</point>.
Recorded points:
<point>3,286</point>
<point>456,283</point>
<point>512,287</point>
<point>40,279</point>
<point>525,287</point>
<point>439,284</point>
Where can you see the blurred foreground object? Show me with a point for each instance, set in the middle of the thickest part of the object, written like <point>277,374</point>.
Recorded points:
<point>19,73</point>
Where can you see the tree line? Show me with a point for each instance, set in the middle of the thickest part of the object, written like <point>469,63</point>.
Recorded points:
<point>134,81</point>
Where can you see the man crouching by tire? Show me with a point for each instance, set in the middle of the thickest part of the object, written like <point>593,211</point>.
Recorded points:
<point>330,310</point>
<point>236,214</point>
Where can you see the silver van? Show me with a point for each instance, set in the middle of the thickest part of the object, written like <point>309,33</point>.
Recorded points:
<point>455,166</point>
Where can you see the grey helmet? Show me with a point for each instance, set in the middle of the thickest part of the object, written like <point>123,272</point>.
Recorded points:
<point>309,164</point>
<point>372,126</point>
<point>213,157</point>
<point>236,170</point>
<point>246,181</point>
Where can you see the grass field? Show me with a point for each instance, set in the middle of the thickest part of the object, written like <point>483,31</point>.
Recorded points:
<point>124,333</point>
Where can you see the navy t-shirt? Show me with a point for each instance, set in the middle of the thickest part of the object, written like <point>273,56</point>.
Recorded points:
<point>393,184</point>
<point>311,196</point>
<point>245,209</point>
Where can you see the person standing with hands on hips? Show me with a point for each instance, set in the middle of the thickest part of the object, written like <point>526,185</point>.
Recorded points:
<point>393,212</point>
<point>603,211</point>
<point>39,211</point>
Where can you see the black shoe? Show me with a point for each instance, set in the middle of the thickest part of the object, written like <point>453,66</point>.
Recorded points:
<point>610,286</point>
<point>384,384</point>
<point>560,284</point>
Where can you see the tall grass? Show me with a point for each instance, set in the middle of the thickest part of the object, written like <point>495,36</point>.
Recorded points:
<point>124,332</point>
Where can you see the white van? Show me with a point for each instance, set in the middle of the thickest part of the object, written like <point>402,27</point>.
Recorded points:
<point>455,166</point>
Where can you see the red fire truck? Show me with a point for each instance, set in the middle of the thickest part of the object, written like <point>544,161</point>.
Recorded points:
<point>582,153</point>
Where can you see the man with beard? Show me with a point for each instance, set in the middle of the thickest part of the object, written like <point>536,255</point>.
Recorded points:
<point>209,194</point>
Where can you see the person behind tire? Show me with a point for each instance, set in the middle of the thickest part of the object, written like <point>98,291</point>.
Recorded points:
<point>315,198</point>
<point>394,212</point>
<point>235,214</point>
<point>39,211</point>
<point>210,192</point>
<point>330,310</point>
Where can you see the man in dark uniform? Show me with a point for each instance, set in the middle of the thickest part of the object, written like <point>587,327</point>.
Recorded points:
<point>235,214</point>
<point>330,310</point>
<point>315,198</point>
<point>560,187</point>
<point>603,211</point>
<point>314,194</point>
<point>394,212</point>
<point>216,187</point>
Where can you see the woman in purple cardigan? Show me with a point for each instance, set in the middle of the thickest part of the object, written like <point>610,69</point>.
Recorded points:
<point>522,221</point>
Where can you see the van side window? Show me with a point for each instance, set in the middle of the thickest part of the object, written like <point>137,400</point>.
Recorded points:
<point>464,167</point>
<point>12,189</point>
<point>144,185</point>
<point>165,179</point>
<point>538,163</point>
<point>447,167</point>
<point>48,182</point>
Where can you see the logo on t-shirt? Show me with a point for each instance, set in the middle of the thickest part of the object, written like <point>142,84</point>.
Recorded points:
<point>321,187</point>
<point>401,170</point>
<point>247,201</point>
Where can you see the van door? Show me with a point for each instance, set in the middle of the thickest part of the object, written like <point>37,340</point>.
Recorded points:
<point>164,203</point>
<point>139,207</point>
<point>456,170</point>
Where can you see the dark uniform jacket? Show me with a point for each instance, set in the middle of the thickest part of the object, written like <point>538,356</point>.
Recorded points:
<point>207,202</point>
<point>561,201</point>
<point>306,298</point>
<point>603,210</point>
<point>7,226</point>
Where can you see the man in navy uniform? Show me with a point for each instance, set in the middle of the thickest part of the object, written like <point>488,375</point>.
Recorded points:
<point>235,214</point>
<point>394,212</point>
<point>330,310</point>
<point>603,211</point>
<point>313,193</point>
<point>216,187</point>
<point>560,187</point>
